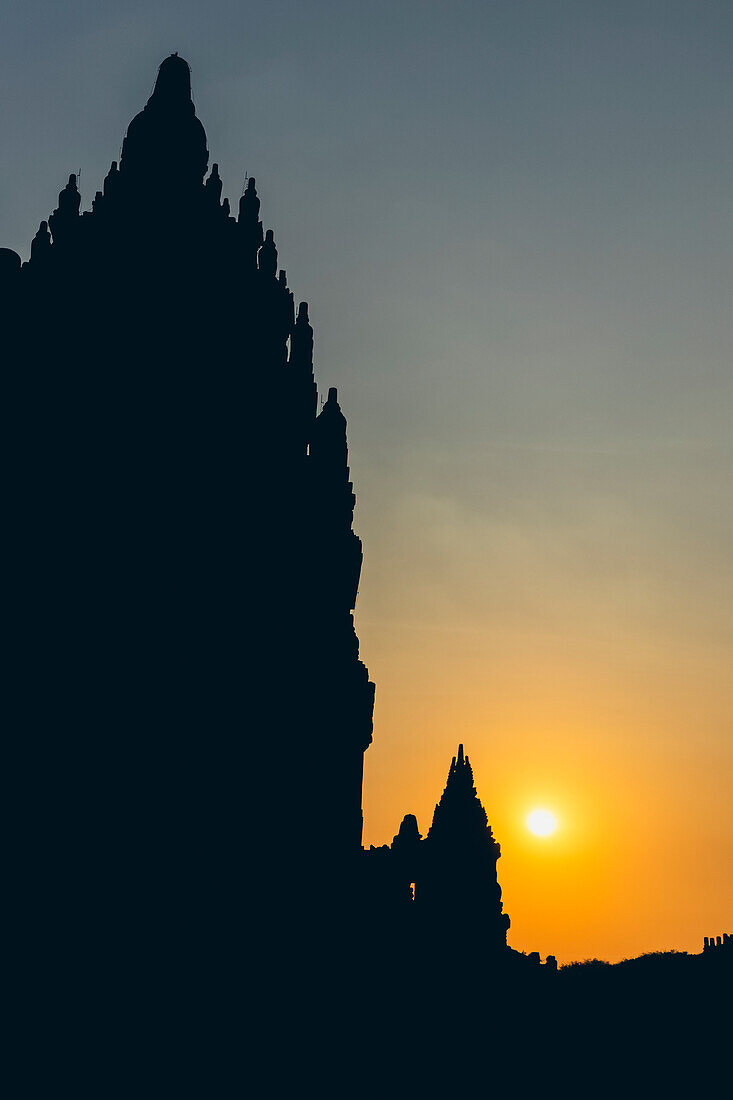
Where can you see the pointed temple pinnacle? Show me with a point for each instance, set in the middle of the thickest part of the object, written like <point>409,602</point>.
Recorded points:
<point>164,152</point>
<point>460,754</point>
<point>267,255</point>
<point>249,205</point>
<point>174,79</point>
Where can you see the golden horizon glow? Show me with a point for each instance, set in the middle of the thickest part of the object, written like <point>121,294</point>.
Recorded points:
<point>541,822</point>
<point>638,861</point>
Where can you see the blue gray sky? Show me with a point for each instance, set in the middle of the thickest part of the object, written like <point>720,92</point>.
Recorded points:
<point>513,223</point>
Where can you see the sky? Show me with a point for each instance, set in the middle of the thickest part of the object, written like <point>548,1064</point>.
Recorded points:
<point>512,221</point>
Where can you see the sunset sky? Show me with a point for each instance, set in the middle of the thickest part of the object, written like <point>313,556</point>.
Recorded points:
<point>513,222</point>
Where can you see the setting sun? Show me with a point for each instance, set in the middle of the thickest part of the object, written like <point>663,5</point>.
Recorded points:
<point>541,822</point>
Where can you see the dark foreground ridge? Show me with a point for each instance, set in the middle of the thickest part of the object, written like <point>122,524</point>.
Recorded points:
<point>189,710</point>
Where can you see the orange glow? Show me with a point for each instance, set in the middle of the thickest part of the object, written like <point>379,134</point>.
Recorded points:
<point>639,861</point>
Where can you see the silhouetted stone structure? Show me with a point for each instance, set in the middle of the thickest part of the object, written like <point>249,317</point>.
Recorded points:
<point>719,943</point>
<point>445,885</point>
<point>460,886</point>
<point>191,709</point>
<point>189,713</point>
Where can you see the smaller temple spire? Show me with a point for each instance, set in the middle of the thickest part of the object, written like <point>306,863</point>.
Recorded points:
<point>408,834</point>
<point>459,810</point>
<point>461,854</point>
<point>111,181</point>
<point>301,341</point>
<point>69,198</point>
<point>267,255</point>
<point>249,204</point>
<point>330,457</point>
<point>329,436</point>
<point>248,223</point>
<point>213,186</point>
<point>41,244</point>
<point>63,219</point>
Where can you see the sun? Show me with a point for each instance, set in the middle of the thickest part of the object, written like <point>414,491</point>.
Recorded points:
<point>541,822</point>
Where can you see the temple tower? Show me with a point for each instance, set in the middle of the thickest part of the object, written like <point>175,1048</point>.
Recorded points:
<point>458,889</point>
<point>192,711</point>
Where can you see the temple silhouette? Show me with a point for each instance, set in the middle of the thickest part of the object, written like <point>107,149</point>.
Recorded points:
<point>183,550</point>
<point>190,708</point>
<point>186,560</point>
<point>446,884</point>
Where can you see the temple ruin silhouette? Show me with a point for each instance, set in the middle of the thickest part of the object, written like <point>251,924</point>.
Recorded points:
<point>191,710</point>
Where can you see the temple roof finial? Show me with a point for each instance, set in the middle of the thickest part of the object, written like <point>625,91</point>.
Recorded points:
<point>164,151</point>
<point>267,255</point>
<point>174,79</point>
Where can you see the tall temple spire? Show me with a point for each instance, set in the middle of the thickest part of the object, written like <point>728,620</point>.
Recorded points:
<point>182,594</point>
